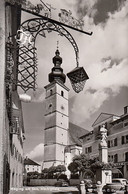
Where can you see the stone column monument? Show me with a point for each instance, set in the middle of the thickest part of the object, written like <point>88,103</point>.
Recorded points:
<point>103,175</point>
<point>103,149</point>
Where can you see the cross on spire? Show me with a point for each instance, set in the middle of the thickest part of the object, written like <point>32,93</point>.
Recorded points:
<point>57,44</point>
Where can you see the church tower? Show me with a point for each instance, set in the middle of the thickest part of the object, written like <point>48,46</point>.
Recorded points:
<point>56,115</point>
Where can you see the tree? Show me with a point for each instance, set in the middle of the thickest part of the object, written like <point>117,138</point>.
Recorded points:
<point>81,163</point>
<point>86,165</point>
<point>45,173</point>
<point>33,175</point>
<point>51,171</point>
<point>73,167</point>
<point>45,170</point>
<point>84,162</point>
<point>60,168</point>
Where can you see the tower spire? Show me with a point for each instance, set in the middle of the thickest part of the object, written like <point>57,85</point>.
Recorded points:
<point>57,71</point>
<point>57,44</point>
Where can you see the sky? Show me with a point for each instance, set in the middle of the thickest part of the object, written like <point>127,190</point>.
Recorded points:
<point>104,56</point>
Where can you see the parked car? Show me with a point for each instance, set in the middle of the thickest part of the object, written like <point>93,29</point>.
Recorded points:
<point>120,180</point>
<point>61,183</point>
<point>113,187</point>
<point>89,185</point>
<point>91,188</point>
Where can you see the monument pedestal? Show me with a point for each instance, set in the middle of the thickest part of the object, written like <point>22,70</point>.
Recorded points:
<point>104,176</point>
<point>103,154</point>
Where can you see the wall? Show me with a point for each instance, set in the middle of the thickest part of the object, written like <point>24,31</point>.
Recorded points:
<point>42,182</point>
<point>3,134</point>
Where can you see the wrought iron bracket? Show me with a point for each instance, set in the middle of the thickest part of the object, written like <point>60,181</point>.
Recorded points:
<point>27,62</point>
<point>56,22</point>
<point>38,25</point>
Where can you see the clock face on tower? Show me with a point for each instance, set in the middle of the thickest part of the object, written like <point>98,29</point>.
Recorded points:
<point>62,107</point>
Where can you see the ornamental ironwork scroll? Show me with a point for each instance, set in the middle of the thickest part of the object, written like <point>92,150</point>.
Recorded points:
<point>46,10</point>
<point>38,26</point>
<point>67,18</point>
<point>27,60</point>
<point>27,63</point>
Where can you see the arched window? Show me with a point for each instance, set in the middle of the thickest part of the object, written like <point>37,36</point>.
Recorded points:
<point>62,93</point>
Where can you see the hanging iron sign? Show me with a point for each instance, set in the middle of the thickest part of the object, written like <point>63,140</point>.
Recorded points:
<point>23,37</point>
<point>27,67</point>
<point>66,17</point>
<point>46,10</point>
<point>26,36</point>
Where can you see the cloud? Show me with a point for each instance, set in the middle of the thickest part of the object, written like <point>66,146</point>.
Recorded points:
<point>104,55</point>
<point>109,41</point>
<point>107,77</point>
<point>99,89</point>
<point>38,95</point>
<point>37,153</point>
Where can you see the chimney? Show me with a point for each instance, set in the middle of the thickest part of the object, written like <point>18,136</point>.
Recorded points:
<point>125,109</point>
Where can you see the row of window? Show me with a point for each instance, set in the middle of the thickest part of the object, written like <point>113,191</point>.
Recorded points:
<point>34,168</point>
<point>16,128</point>
<point>16,154</point>
<point>111,143</point>
<point>111,158</point>
<point>62,93</point>
<point>114,158</point>
<point>114,142</point>
<point>120,125</point>
<point>117,126</point>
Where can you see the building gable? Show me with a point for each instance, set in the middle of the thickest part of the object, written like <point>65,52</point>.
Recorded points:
<point>28,161</point>
<point>102,117</point>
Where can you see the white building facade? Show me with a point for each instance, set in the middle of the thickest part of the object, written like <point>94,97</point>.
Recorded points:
<point>117,128</point>
<point>16,143</point>
<point>31,166</point>
<point>11,142</point>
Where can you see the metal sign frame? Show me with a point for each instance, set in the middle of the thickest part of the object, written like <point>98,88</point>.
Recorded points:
<point>38,26</point>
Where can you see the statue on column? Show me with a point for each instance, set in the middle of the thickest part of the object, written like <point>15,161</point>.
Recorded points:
<point>103,174</point>
<point>103,133</point>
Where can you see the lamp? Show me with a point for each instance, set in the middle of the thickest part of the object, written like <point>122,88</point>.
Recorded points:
<point>78,77</point>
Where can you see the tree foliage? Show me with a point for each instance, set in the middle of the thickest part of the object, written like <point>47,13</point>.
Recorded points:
<point>53,171</point>
<point>73,167</point>
<point>83,164</point>
<point>60,168</point>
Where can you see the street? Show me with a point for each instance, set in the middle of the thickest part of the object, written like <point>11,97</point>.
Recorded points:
<point>44,190</point>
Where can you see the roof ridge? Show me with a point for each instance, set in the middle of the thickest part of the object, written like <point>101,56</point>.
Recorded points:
<point>28,160</point>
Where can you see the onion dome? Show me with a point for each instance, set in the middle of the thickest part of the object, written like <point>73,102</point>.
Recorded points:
<point>57,60</point>
<point>57,71</point>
